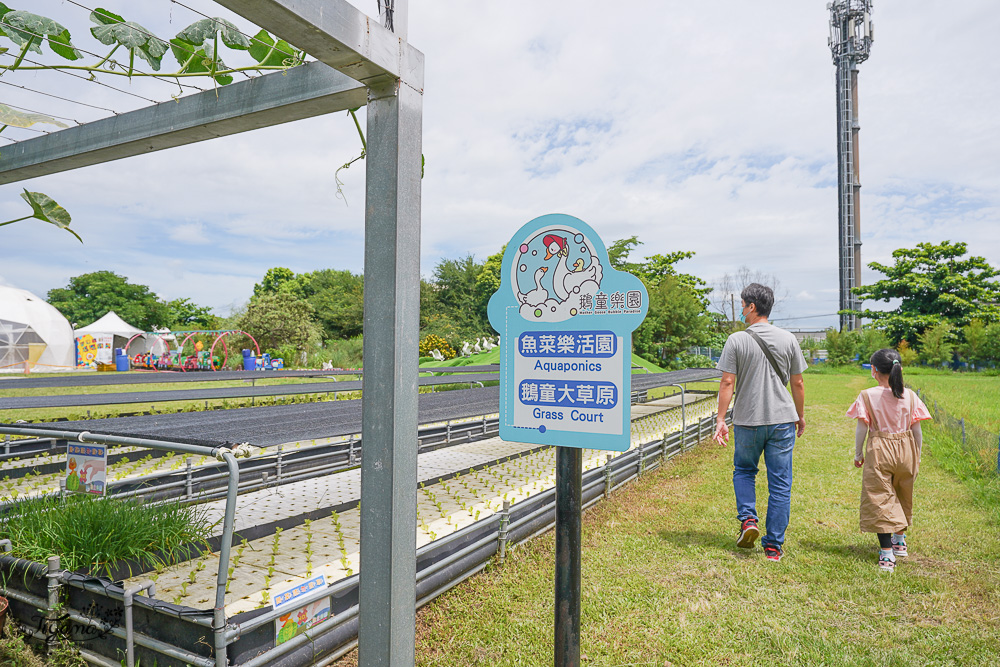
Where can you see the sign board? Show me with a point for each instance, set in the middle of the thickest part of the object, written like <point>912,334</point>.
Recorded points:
<point>297,617</point>
<point>565,318</point>
<point>86,468</point>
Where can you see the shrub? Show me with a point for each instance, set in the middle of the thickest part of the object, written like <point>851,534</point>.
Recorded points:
<point>907,354</point>
<point>870,340</point>
<point>433,342</point>
<point>936,346</point>
<point>841,346</point>
<point>92,534</point>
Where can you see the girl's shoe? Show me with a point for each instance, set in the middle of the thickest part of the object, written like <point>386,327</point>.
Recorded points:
<point>886,562</point>
<point>899,546</point>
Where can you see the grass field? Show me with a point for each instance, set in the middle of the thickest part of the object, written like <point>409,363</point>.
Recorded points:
<point>663,583</point>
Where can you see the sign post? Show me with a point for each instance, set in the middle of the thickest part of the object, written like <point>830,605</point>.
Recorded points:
<point>565,318</point>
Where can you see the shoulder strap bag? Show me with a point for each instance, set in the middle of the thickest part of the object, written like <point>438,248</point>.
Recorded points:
<point>770,357</point>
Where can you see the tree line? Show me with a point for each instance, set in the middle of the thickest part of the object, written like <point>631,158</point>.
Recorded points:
<point>945,306</point>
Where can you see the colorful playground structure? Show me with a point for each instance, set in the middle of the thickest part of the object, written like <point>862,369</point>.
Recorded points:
<point>194,358</point>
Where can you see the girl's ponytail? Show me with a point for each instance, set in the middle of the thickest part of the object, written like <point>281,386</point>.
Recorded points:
<point>887,362</point>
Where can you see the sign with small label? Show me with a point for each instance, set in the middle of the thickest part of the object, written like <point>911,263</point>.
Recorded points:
<point>565,319</point>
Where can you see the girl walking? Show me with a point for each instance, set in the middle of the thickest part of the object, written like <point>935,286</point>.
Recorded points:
<point>889,417</point>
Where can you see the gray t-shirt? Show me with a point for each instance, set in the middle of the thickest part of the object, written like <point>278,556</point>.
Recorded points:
<point>760,397</point>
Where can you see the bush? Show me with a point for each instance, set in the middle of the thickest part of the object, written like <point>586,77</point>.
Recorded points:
<point>434,342</point>
<point>841,346</point>
<point>907,355</point>
<point>936,346</point>
<point>92,534</point>
<point>870,340</point>
<point>346,353</point>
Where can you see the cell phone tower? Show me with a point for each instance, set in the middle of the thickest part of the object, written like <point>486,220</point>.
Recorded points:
<point>850,42</point>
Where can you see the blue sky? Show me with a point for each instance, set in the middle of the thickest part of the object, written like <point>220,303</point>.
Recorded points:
<point>696,126</point>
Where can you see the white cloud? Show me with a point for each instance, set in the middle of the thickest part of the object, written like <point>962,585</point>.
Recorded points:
<point>705,126</point>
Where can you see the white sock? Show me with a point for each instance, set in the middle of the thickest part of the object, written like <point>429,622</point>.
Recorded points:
<point>886,553</point>
<point>898,539</point>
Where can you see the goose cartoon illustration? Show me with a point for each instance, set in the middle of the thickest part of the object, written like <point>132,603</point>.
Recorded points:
<point>555,245</point>
<point>537,296</point>
<point>573,280</point>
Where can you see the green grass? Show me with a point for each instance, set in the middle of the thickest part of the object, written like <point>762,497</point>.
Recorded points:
<point>968,395</point>
<point>663,583</point>
<point>94,533</point>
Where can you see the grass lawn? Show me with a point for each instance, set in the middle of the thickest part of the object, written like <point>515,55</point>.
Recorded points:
<point>663,583</point>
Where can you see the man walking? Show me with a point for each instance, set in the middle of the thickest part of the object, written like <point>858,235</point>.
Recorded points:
<point>759,362</point>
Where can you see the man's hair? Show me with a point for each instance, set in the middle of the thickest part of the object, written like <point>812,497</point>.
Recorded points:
<point>759,295</point>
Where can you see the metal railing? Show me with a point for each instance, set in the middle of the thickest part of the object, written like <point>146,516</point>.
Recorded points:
<point>980,445</point>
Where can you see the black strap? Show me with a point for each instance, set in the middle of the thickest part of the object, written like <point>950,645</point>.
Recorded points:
<point>770,357</point>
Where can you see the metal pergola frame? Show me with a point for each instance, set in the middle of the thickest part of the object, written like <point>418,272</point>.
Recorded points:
<point>359,63</point>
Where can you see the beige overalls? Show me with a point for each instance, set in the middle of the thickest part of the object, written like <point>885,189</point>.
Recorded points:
<point>892,461</point>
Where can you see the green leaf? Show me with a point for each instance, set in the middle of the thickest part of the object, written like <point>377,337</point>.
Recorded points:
<point>202,60</point>
<point>112,29</point>
<point>204,30</point>
<point>27,28</point>
<point>269,53</point>
<point>18,118</point>
<point>47,210</point>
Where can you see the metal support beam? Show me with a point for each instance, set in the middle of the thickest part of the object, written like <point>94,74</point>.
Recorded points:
<point>389,395</point>
<point>311,90</point>
<point>340,35</point>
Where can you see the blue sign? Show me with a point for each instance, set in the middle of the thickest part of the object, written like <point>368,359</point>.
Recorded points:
<point>565,319</point>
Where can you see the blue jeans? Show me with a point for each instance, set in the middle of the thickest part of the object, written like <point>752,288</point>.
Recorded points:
<point>776,442</point>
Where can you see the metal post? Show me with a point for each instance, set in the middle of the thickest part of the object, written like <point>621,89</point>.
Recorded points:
<point>569,485</point>
<point>386,626</point>
<point>350,451</point>
<point>188,486</point>
<point>51,611</point>
<point>277,464</point>
<point>448,432</point>
<point>6,444</point>
<point>131,592</point>
<point>504,522</point>
<point>607,477</point>
<point>228,525</point>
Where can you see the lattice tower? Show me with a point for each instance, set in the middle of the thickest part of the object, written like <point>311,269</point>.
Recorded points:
<point>850,42</point>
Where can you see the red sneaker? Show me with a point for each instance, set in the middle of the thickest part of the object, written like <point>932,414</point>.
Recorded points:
<point>773,553</point>
<point>749,532</point>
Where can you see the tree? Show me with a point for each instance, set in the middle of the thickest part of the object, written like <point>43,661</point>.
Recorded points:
<point>937,344</point>
<point>337,298</point>
<point>280,319</point>
<point>675,321</point>
<point>726,292</point>
<point>934,283</point>
<point>185,314</point>
<point>976,337</point>
<point>488,282</point>
<point>274,280</point>
<point>90,296</point>
<point>456,298</point>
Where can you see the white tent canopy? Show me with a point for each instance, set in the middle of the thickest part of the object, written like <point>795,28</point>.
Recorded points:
<point>110,324</point>
<point>119,331</point>
<point>32,332</point>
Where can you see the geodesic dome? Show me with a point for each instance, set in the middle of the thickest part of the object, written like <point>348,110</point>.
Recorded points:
<point>32,331</point>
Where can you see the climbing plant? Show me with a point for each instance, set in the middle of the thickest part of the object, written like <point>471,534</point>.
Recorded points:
<point>45,209</point>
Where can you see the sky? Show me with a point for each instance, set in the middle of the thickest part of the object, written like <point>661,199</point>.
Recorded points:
<point>707,127</point>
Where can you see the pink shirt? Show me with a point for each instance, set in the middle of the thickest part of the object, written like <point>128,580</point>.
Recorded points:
<point>891,413</point>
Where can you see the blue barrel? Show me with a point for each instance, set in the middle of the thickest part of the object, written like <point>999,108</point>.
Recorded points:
<point>121,360</point>
<point>249,363</point>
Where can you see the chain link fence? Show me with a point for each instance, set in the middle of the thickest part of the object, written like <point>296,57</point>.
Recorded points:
<point>982,446</point>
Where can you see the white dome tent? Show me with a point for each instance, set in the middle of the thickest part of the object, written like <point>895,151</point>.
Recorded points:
<point>34,336</point>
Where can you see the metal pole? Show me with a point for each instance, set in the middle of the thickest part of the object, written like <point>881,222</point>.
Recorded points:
<point>51,612</point>
<point>228,525</point>
<point>386,625</point>
<point>130,593</point>
<point>569,491</point>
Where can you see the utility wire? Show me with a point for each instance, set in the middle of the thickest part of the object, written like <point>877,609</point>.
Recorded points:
<point>72,120</point>
<point>58,97</point>
<point>84,78</point>
<point>159,77</point>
